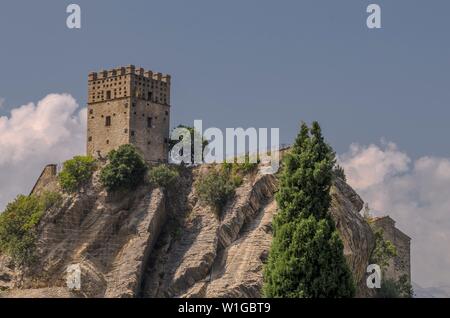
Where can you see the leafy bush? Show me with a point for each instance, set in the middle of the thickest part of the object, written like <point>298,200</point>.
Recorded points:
<point>339,172</point>
<point>162,175</point>
<point>125,170</point>
<point>18,225</point>
<point>306,258</point>
<point>76,172</point>
<point>395,289</point>
<point>215,188</point>
<point>241,168</point>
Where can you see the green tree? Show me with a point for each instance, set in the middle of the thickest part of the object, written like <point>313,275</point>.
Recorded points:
<point>18,225</point>
<point>216,187</point>
<point>162,175</point>
<point>384,250</point>
<point>125,170</point>
<point>306,258</point>
<point>76,172</point>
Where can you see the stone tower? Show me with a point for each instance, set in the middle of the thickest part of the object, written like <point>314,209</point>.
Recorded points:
<point>128,105</point>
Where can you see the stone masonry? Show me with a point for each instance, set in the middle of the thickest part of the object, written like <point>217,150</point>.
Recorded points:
<point>401,264</point>
<point>128,105</point>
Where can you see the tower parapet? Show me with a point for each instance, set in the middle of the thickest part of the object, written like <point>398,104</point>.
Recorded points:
<point>123,82</point>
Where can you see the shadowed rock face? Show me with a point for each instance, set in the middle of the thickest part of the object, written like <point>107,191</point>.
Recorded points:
<point>355,232</point>
<point>152,243</point>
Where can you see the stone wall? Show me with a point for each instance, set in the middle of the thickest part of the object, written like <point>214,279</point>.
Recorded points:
<point>401,264</point>
<point>150,124</point>
<point>47,180</point>
<point>102,138</point>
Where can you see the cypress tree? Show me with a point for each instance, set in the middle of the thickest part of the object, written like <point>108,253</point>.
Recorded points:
<point>306,258</point>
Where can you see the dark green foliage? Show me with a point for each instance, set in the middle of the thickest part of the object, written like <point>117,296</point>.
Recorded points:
<point>125,171</point>
<point>388,289</point>
<point>339,172</point>
<point>306,258</point>
<point>405,288</point>
<point>18,225</point>
<point>216,187</point>
<point>162,175</point>
<point>395,289</point>
<point>76,172</point>
<point>306,178</point>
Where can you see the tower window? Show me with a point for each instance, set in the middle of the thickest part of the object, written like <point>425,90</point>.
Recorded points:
<point>108,94</point>
<point>90,138</point>
<point>149,122</point>
<point>91,111</point>
<point>108,121</point>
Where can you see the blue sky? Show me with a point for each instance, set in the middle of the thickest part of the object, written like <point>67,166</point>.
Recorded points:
<point>251,63</point>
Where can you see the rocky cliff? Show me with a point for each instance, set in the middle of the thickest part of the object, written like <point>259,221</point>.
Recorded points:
<point>156,243</point>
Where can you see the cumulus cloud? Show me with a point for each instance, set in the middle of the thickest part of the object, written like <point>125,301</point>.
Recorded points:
<point>35,135</point>
<point>416,193</point>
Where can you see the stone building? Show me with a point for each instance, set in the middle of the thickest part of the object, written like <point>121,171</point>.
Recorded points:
<point>128,105</point>
<point>47,181</point>
<point>401,264</point>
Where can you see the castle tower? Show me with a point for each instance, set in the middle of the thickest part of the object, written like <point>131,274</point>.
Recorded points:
<point>128,105</point>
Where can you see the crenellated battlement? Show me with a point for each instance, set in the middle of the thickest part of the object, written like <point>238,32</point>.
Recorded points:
<point>129,70</point>
<point>129,81</point>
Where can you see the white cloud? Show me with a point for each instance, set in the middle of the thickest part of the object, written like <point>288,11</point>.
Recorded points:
<point>35,135</point>
<point>416,194</point>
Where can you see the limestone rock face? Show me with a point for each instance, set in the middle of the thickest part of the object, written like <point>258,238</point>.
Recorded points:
<point>155,243</point>
<point>108,237</point>
<point>355,232</point>
<point>190,265</point>
<point>225,257</point>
